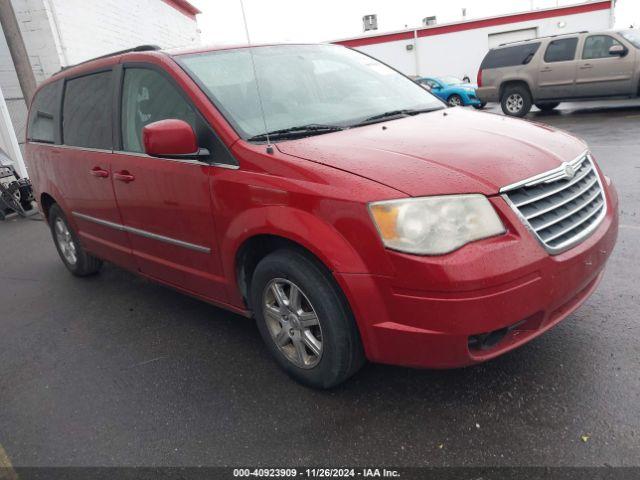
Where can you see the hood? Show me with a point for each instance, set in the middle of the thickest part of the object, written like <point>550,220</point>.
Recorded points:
<point>443,152</point>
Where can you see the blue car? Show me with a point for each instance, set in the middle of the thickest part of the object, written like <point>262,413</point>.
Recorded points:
<point>452,90</point>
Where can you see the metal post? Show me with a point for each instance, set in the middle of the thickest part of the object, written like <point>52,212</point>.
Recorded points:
<point>18,50</point>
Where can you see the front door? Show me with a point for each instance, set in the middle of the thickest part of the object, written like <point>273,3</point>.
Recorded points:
<point>602,74</point>
<point>166,205</point>
<point>82,166</point>
<point>557,70</point>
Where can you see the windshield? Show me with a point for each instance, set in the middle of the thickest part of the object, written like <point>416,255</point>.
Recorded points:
<point>633,36</point>
<point>451,80</point>
<point>302,85</point>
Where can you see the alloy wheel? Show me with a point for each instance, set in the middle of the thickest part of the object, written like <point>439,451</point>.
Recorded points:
<point>65,241</point>
<point>292,322</point>
<point>515,103</point>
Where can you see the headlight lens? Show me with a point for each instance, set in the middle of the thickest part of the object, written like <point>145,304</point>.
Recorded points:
<point>435,225</point>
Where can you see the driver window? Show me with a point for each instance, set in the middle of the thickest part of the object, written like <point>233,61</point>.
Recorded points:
<point>147,96</point>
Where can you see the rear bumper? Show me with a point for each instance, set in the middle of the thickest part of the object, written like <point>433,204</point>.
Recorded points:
<point>426,314</point>
<point>487,94</point>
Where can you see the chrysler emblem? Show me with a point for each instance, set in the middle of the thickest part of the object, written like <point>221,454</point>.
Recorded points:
<point>569,171</point>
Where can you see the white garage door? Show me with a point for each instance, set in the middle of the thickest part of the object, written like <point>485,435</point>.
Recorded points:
<point>496,39</point>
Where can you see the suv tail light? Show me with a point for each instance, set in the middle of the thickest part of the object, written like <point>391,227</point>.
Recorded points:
<point>479,79</point>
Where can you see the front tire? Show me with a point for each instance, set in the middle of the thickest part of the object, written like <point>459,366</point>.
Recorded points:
<point>516,101</point>
<point>304,319</point>
<point>547,107</point>
<point>77,260</point>
<point>480,106</point>
<point>455,100</point>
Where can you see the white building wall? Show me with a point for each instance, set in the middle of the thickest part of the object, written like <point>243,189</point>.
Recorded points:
<point>63,32</point>
<point>34,20</point>
<point>460,53</point>
<point>90,28</point>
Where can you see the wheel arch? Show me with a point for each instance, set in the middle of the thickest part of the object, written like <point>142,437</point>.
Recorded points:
<point>46,201</point>
<point>256,233</point>
<point>514,82</point>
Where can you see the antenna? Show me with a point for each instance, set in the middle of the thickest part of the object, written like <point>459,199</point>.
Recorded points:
<point>255,76</point>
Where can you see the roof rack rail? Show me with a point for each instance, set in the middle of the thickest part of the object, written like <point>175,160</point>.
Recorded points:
<point>139,48</point>
<point>546,36</point>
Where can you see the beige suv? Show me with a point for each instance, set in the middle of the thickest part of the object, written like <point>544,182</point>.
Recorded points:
<point>546,71</point>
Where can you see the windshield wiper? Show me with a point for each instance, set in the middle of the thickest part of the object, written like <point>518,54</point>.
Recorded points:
<point>296,132</point>
<point>407,112</point>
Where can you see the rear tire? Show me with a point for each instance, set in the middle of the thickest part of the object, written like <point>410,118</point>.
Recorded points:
<point>516,101</point>
<point>77,260</point>
<point>547,107</point>
<point>310,331</point>
<point>480,106</point>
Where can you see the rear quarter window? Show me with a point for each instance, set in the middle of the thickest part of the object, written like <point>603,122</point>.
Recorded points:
<point>510,56</point>
<point>43,115</point>
<point>86,111</point>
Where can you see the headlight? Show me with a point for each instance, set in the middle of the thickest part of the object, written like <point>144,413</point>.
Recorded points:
<point>435,225</point>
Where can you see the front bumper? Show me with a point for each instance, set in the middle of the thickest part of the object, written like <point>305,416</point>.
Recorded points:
<point>470,98</point>
<point>426,314</point>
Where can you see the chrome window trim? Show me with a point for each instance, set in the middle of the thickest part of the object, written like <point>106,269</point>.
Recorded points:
<point>139,154</point>
<point>552,175</point>
<point>143,233</point>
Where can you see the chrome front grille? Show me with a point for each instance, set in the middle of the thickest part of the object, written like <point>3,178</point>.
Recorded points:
<point>561,207</point>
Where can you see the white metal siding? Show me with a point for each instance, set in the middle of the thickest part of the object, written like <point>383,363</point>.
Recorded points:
<point>497,39</point>
<point>460,53</point>
<point>89,28</point>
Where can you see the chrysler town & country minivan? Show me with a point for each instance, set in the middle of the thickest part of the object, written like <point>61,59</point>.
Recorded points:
<point>325,194</point>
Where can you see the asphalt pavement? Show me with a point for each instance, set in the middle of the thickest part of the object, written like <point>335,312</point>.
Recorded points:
<point>116,370</point>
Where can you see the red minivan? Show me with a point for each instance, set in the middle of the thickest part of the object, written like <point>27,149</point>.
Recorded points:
<point>327,195</point>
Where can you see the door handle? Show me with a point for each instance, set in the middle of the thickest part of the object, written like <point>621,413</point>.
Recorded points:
<point>547,69</point>
<point>99,172</point>
<point>124,176</point>
<point>586,66</point>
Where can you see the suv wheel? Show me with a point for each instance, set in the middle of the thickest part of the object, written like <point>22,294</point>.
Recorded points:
<point>547,107</point>
<point>516,101</point>
<point>304,320</point>
<point>74,257</point>
<point>454,100</point>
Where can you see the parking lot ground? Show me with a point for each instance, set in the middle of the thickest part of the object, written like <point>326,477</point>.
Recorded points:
<point>116,370</point>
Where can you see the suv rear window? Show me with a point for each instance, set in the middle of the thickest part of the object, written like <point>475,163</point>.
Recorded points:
<point>42,121</point>
<point>86,112</point>
<point>561,50</point>
<point>510,56</point>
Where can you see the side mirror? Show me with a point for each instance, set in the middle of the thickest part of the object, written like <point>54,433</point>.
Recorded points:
<point>617,51</point>
<point>171,138</point>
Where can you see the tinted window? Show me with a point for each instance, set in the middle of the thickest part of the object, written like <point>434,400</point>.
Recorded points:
<point>510,56</point>
<point>42,116</point>
<point>597,46</point>
<point>86,112</point>
<point>147,96</point>
<point>561,50</point>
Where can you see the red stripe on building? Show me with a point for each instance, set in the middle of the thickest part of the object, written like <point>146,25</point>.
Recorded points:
<point>183,6</point>
<point>475,24</point>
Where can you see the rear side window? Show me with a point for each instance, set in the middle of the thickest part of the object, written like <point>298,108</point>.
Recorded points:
<point>147,97</point>
<point>86,111</point>
<point>510,56</point>
<point>561,50</point>
<point>597,46</point>
<point>42,116</point>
